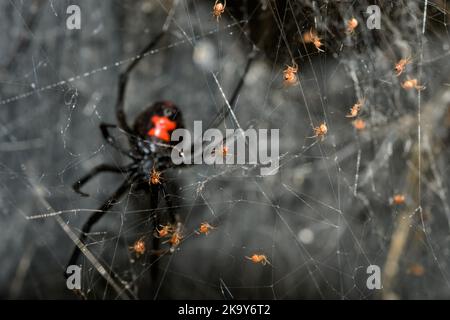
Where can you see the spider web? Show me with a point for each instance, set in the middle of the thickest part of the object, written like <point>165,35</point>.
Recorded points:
<point>320,221</point>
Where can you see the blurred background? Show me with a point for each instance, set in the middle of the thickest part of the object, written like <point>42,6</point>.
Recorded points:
<point>372,192</point>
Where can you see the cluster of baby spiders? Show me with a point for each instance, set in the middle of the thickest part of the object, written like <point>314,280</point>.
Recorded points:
<point>290,72</point>
<point>168,231</point>
<point>290,78</point>
<point>409,83</point>
<point>359,124</point>
<point>172,233</point>
<point>174,238</point>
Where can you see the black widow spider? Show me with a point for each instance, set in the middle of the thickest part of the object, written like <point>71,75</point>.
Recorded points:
<point>150,148</point>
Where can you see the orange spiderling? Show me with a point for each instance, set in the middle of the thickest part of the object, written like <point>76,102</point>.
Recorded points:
<point>224,150</point>
<point>312,37</point>
<point>398,199</point>
<point>401,65</point>
<point>218,9</point>
<point>138,247</point>
<point>290,75</point>
<point>352,23</point>
<point>259,258</point>
<point>354,110</point>
<point>412,84</point>
<point>164,231</point>
<point>175,239</point>
<point>320,131</point>
<point>359,124</point>
<point>155,177</point>
<point>204,228</point>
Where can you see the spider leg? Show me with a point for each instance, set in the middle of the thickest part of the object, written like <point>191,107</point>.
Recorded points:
<point>173,217</point>
<point>221,115</point>
<point>113,142</point>
<point>95,171</point>
<point>108,204</point>
<point>123,80</point>
<point>154,198</point>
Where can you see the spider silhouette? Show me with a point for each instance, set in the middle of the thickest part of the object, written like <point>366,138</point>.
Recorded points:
<point>150,148</point>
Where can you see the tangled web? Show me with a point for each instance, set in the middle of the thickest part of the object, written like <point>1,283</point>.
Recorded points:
<point>371,191</point>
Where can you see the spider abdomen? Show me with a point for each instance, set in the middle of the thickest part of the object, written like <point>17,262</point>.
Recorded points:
<point>157,122</point>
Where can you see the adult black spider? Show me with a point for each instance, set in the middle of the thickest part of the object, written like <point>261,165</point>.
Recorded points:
<point>149,139</point>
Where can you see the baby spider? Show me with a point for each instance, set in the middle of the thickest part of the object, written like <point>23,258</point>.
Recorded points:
<point>412,84</point>
<point>416,270</point>
<point>155,177</point>
<point>224,150</point>
<point>204,228</point>
<point>290,75</point>
<point>138,247</point>
<point>351,25</point>
<point>221,151</point>
<point>312,37</point>
<point>218,9</point>
<point>359,124</point>
<point>320,131</point>
<point>175,239</point>
<point>401,65</point>
<point>355,109</point>
<point>398,199</point>
<point>259,258</point>
<point>164,231</point>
